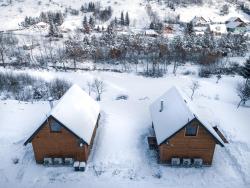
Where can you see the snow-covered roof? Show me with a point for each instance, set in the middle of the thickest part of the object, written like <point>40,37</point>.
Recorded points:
<point>77,111</point>
<point>200,20</point>
<point>218,28</point>
<point>233,19</point>
<point>150,32</point>
<point>43,24</point>
<point>235,24</point>
<point>200,29</point>
<point>176,113</point>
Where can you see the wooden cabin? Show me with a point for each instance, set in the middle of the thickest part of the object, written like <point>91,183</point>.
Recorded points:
<point>68,131</point>
<point>181,137</point>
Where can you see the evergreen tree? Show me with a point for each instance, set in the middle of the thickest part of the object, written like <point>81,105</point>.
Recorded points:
<point>189,28</point>
<point>151,26</point>
<point>84,22</point>
<point>53,31</point>
<point>59,18</point>
<point>91,22</point>
<point>82,9</point>
<point>246,70</point>
<point>127,19</point>
<point>122,18</point>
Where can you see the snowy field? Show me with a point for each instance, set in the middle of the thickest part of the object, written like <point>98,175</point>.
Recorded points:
<point>120,156</point>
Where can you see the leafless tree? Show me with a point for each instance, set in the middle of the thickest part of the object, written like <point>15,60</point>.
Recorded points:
<point>243,91</point>
<point>90,87</point>
<point>195,86</point>
<point>98,87</point>
<point>2,49</point>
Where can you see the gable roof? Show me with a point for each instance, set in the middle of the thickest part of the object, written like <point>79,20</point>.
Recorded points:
<point>200,20</point>
<point>233,25</point>
<point>234,19</point>
<point>77,112</point>
<point>175,115</point>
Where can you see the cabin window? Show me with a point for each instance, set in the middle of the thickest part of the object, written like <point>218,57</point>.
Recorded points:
<point>191,130</point>
<point>55,126</point>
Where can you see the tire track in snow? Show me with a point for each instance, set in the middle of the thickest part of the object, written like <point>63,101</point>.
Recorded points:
<point>236,166</point>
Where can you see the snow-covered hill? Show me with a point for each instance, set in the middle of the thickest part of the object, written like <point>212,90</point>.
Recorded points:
<point>12,14</point>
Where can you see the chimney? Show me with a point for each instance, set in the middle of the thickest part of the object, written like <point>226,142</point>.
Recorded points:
<point>162,106</point>
<point>51,102</point>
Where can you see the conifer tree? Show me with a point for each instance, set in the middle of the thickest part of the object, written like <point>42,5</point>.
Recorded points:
<point>84,22</point>
<point>122,18</point>
<point>91,22</point>
<point>127,21</point>
<point>246,70</point>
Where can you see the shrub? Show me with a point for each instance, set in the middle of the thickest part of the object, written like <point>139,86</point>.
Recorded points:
<point>24,87</point>
<point>205,72</point>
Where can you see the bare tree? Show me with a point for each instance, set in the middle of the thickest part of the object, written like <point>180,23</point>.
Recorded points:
<point>98,87</point>
<point>195,86</point>
<point>243,91</point>
<point>90,87</point>
<point>3,49</point>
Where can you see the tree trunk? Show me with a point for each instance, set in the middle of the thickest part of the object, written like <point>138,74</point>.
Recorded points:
<point>2,58</point>
<point>74,64</point>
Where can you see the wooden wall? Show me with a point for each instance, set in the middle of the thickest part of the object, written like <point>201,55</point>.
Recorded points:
<point>59,144</point>
<point>200,146</point>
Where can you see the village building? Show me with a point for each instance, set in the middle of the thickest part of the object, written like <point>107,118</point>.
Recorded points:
<point>200,21</point>
<point>181,137</point>
<point>200,25</point>
<point>68,131</point>
<point>236,25</point>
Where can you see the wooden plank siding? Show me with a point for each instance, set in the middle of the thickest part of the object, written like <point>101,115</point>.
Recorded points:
<point>200,146</point>
<point>59,144</point>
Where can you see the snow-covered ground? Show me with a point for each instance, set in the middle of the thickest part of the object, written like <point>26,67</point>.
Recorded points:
<point>12,15</point>
<point>120,156</point>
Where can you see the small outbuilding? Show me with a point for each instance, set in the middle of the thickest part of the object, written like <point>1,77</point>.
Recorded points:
<point>69,130</point>
<point>181,137</point>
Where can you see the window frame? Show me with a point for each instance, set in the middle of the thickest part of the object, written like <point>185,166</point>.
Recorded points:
<point>51,124</point>
<point>189,135</point>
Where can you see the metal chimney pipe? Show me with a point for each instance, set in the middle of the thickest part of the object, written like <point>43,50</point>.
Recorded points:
<point>162,106</point>
<point>51,102</point>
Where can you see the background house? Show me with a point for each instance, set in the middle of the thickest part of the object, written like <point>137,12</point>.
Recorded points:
<point>69,129</point>
<point>180,134</point>
<point>200,21</point>
<point>236,25</point>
